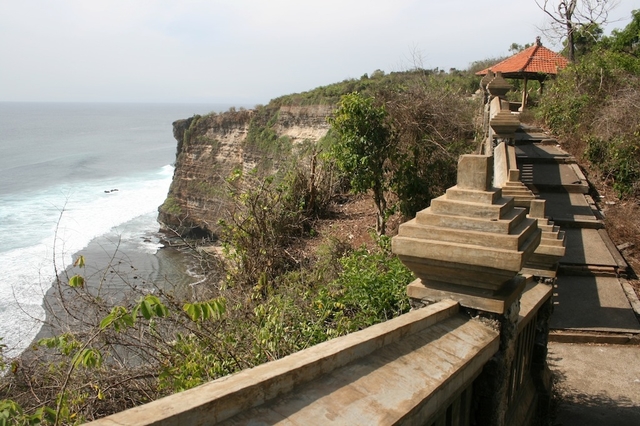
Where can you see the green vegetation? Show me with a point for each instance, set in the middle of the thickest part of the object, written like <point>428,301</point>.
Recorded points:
<point>215,144</point>
<point>188,132</point>
<point>202,188</point>
<point>171,206</point>
<point>363,147</point>
<point>263,139</point>
<point>593,107</point>
<point>456,82</point>
<point>158,344</point>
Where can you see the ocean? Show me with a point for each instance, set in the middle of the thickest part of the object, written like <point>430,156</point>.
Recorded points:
<point>81,178</point>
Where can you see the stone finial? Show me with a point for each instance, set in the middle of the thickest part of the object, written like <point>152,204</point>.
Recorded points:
<point>498,86</point>
<point>486,79</point>
<point>504,124</point>
<point>470,243</point>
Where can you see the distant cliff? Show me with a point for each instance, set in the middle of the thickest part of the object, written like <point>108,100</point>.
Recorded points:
<point>211,147</point>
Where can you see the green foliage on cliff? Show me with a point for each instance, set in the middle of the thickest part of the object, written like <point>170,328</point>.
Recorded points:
<point>461,83</point>
<point>171,206</point>
<point>188,132</point>
<point>404,141</point>
<point>268,214</point>
<point>264,141</point>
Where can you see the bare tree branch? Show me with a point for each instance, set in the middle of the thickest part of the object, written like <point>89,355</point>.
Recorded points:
<point>567,16</point>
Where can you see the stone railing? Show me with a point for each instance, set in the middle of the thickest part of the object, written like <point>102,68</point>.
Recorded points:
<point>500,127</point>
<point>500,124</point>
<point>410,369</point>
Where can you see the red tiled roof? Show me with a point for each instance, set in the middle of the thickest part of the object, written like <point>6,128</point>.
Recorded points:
<point>533,60</point>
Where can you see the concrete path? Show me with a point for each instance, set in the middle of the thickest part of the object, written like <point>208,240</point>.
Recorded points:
<point>596,384</point>
<point>570,210</point>
<point>589,296</point>
<point>595,332</point>
<point>589,303</point>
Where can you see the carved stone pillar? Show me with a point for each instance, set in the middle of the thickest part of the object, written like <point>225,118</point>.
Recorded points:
<point>469,246</point>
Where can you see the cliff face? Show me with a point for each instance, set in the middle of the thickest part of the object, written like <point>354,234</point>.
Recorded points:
<point>211,147</point>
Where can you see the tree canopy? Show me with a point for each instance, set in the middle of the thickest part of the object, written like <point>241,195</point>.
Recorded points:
<point>363,147</point>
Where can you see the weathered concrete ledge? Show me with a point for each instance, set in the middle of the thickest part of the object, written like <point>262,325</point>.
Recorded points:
<point>445,350</point>
<point>533,297</point>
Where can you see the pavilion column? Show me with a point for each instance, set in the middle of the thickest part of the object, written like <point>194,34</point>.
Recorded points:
<point>524,95</point>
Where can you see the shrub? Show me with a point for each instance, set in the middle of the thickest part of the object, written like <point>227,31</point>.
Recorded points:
<point>618,162</point>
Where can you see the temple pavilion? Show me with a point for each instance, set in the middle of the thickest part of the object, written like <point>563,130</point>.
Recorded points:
<point>533,63</point>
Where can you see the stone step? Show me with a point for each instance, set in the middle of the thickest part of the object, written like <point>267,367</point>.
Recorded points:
<point>546,227</point>
<point>510,241</point>
<point>595,337</point>
<point>592,303</point>
<point>577,188</point>
<point>571,210</point>
<point>520,189</point>
<point>444,206</point>
<point>586,247</point>
<point>468,195</point>
<point>554,240</point>
<point>589,270</point>
<point>518,192</point>
<point>551,250</point>
<point>505,225</point>
<point>529,153</point>
<point>514,186</point>
<point>530,136</point>
<point>554,178</point>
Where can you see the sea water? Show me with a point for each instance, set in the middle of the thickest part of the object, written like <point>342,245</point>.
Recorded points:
<point>75,176</point>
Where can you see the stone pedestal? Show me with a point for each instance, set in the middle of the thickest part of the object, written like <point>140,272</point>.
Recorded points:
<point>498,86</point>
<point>470,244</point>
<point>504,125</point>
<point>513,187</point>
<point>544,261</point>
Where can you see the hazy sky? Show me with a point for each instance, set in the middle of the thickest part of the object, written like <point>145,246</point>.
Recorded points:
<point>242,51</point>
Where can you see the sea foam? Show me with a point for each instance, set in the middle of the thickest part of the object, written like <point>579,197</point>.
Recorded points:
<point>58,222</point>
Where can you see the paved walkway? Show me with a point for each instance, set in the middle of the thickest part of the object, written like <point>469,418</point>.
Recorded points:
<point>594,329</point>
<point>596,384</point>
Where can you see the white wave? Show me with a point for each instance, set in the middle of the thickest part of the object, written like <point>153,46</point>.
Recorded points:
<point>61,221</point>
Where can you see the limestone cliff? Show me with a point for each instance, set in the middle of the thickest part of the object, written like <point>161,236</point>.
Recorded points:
<point>211,147</point>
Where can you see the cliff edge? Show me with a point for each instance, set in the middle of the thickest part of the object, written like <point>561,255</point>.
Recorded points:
<point>211,147</point>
